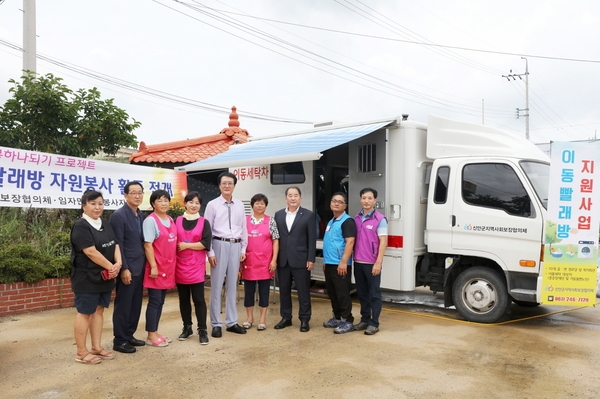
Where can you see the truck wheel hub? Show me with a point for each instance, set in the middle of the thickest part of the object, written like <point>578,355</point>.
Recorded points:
<point>480,295</point>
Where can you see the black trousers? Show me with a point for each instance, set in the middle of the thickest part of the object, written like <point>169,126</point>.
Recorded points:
<point>263,292</point>
<point>302,278</point>
<point>185,308</point>
<point>128,308</point>
<point>338,290</point>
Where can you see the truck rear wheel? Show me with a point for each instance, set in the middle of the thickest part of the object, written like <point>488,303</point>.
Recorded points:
<point>480,295</point>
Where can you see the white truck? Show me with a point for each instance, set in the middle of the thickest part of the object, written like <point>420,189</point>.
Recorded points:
<point>466,204</point>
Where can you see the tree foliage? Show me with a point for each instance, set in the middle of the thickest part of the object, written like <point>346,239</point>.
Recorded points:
<point>45,115</point>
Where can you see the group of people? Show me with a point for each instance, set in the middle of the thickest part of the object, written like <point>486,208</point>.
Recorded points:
<point>363,238</point>
<point>131,252</point>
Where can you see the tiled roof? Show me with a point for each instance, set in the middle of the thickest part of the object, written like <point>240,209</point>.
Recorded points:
<point>193,150</point>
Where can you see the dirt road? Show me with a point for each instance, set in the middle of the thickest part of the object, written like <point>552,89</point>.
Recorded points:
<point>420,352</point>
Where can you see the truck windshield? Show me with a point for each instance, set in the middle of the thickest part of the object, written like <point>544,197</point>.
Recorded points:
<point>538,174</point>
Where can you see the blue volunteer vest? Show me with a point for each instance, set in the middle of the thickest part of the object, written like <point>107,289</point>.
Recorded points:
<point>334,242</point>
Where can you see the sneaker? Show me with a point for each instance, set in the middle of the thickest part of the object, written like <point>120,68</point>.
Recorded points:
<point>203,337</point>
<point>186,333</point>
<point>331,323</point>
<point>371,330</point>
<point>361,326</point>
<point>344,327</point>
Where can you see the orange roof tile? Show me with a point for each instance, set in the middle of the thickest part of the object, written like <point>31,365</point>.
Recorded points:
<point>193,150</point>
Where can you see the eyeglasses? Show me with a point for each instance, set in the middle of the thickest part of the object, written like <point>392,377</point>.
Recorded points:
<point>136,193</point>
<point>338,202</point>
<point>227,183</point>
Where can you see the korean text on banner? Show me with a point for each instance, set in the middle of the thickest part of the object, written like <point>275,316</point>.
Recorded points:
<point>41,180</point>
<point>571,238</point>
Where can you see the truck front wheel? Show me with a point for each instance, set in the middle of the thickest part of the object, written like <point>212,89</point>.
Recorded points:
<point>480,295</point>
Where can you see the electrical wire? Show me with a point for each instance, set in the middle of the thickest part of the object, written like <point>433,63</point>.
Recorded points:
<point>417,42</point>
<point>385,86</point>
<point>154,92</point>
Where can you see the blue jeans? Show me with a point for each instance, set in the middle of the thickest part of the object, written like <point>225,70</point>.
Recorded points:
<point>369,293</point>
<point>156,300</point>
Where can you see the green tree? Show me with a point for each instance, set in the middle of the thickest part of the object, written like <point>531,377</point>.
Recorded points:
<point>45,115</point>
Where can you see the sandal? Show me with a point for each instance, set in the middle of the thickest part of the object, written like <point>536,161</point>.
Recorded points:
<point>261,327</point>
<point>103,354</point>
<point>247,325</point>
<point>89,359</point>
<point>158,342</point>
<point>166,339</point>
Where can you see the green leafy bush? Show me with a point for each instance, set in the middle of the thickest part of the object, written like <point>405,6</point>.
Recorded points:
<point>175,210</point>
<point>35,244</point>
<point>22,262</point>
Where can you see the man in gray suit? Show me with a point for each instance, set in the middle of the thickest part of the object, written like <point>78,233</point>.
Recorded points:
<point>297,249</point>
<point>126,222</point>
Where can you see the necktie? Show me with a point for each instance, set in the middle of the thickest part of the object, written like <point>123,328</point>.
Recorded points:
<point>229,214</point>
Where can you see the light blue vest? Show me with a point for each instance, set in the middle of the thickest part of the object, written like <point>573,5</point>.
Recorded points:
<point>334,242</point>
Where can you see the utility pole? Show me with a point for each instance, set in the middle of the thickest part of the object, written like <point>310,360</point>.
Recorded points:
<point>514,76</point>
<point>29,36</point>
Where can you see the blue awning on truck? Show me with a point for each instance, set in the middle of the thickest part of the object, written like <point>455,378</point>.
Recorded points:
<point>302,146</point>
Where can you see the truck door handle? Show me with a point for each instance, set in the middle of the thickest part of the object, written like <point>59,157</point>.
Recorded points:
<point>453,220</point>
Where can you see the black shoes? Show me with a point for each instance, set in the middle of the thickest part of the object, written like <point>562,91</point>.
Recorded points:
<point>203,337</point>
<point>283,324</point>
<point>186,333</point>
<point>124,348</point>
<point>304,327</point>
<point>236,328</point>
<point>137,342</point>
<point>216,332</point>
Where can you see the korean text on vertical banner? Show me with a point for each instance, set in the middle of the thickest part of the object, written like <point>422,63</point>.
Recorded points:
<point>571,235</point>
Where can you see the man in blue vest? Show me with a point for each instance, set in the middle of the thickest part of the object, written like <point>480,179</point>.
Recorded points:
<point>338,244</point>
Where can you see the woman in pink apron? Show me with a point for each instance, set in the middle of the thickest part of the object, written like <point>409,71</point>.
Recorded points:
<point>193,241</point>
<point>261,260</point>
<point>160,246</point>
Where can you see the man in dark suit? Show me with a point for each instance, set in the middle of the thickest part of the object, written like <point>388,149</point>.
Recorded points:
<point>126,222</point>
<point>297,247</point>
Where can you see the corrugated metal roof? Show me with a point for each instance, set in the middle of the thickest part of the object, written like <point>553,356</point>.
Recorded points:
<point>303,146</point>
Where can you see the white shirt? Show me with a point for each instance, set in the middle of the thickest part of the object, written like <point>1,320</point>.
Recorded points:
<point>290,217</point>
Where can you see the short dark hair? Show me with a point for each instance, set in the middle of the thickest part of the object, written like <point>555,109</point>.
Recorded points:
<point>132,183</point>
<point>90,195</point>
<point>159,194</point>
<point>259,197</point>
<point>293,188</point>
<point>191,195</point>
<point>368,189</point>
<point>341,194</point>
<point>227,174</point>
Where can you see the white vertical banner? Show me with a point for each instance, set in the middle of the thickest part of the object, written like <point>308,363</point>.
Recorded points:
<point>571,238</point>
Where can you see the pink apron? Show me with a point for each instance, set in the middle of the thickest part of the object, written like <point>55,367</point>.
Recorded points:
<point>191,264</point>
<point>165,250</point>
<point>259,252</point>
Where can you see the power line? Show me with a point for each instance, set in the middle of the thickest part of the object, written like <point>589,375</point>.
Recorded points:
<point>413,95</point>
<point>154,92</point>
<point>393,26</point>
<point>411,41</point>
